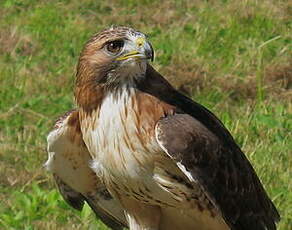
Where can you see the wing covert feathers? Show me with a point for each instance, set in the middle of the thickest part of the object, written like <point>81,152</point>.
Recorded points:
<point>240,197</point>
<point>69,162</point>
<point>73,198</point>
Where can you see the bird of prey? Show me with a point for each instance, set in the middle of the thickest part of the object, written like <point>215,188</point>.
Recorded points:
<point>166,160</point>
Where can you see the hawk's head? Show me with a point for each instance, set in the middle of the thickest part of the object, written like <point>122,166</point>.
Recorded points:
<point>113,57</point>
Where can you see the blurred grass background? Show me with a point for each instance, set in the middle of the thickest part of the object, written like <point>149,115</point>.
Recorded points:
<point>234,57</point>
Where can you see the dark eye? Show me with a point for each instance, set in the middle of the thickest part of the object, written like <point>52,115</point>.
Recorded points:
<point>115,46</point>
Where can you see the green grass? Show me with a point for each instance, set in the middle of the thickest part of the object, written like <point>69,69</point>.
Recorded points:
<point>232,56</point>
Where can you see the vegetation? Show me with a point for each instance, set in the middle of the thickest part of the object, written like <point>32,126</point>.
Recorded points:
<point>234,57</point>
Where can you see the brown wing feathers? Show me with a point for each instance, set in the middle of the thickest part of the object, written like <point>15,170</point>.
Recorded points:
<point>226,177</point>
<point>240,196</point>
<point>76,200</point>
<point>70,168</point>
<point>73,198</point>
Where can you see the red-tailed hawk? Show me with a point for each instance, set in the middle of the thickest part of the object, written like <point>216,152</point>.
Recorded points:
<point>166,160</point>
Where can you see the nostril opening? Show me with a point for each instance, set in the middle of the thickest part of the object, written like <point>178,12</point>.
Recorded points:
<point>140,42</point>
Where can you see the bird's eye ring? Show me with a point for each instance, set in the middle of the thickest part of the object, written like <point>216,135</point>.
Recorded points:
<point>114,46</point>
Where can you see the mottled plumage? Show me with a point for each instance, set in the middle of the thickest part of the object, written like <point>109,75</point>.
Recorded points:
<point>168,160</point>
<point>69,162</point>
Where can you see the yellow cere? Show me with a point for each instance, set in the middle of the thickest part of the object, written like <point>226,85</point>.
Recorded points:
<point>140,41</point>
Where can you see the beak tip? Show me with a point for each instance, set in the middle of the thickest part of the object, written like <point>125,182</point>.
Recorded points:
<point>150,55</point>
<point>149,52</point>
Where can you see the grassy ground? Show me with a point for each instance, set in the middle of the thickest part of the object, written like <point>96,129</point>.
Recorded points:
<point>232,56</point>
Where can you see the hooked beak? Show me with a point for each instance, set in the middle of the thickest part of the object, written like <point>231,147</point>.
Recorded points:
<point>150,52</point>
<point>143,50</point>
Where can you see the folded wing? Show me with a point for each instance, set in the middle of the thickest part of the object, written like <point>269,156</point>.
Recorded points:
<point>69,161</point>
<point>224,175</point>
